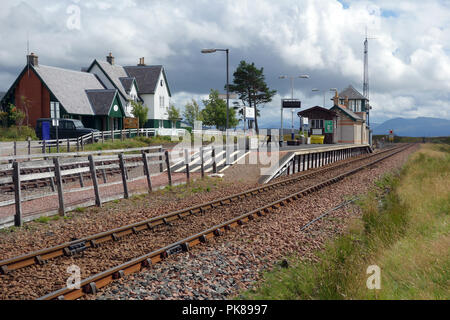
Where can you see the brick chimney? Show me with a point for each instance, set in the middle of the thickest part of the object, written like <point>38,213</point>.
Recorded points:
<point>110,59</point>
<point>346,102</point>
<point>336,98</point>
<point>33,59</point>
<point>141,62</point>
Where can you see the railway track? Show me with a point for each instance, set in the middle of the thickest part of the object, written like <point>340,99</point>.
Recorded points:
<point>117,255</point>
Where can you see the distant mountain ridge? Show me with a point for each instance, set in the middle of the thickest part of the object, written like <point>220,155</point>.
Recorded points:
<point>418,127</point>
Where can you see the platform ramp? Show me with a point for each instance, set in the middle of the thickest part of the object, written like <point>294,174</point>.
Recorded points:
<point>304,159</point>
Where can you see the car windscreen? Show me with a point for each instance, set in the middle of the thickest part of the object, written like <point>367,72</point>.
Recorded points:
<point>78,124</point>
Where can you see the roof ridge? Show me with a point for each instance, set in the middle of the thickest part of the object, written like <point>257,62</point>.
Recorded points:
<point>63,69</point>
<point>101,90</point>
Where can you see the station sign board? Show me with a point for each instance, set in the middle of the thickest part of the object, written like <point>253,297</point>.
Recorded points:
<point>249,113</point>
<point>291,103</point>
<point>54,113</point>
<point>328,126</point>
<point>131,123</point>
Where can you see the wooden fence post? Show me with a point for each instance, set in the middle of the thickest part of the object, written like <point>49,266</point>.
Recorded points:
<point>43,146</point>
<point>59,185</point>
<point>186,161</point>
<point>17,194</point>
<point>15,148</point>
<point>103,173</point>
<point>161,169</point>
<point>213,155</point>
<point>124,177</point>
<point>103,137</point>
<point>98,201</point>
<point>112,135</point>
<point>68,145</point>
<point>202,162</point>
<point>147,171</point>
<point>121,134</point>
<point>169,174</point>
<point>29,147</point>
<point>78,144</point>
<point>80,175</point>
<point>52,180</point>
<point>92,137</point>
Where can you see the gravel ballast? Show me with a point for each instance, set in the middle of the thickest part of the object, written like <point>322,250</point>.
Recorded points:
<point>229,264</point>
<point>201,261</point>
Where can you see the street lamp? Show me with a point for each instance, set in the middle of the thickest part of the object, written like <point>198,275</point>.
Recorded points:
<point>303,76</point>
<point>324,93</point>
<point>228,77</point>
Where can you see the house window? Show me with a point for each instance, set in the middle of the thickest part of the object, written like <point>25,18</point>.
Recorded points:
<point>162,83</point>
<point>358,105</point>
<point>316,124</point>
<point>161,102</point>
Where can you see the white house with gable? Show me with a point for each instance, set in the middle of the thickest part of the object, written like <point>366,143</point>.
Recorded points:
<point>146,84</point>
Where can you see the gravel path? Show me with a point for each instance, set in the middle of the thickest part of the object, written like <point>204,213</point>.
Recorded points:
<point>229,264</point>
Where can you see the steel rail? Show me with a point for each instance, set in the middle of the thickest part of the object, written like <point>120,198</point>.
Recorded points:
<point>91,284</point>
<point>40,256</point>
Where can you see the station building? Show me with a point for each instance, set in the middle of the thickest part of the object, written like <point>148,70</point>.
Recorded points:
<point>348,116</point>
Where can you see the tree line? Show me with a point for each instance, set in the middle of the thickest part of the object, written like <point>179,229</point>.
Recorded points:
<point>248,83</point>
<point>250,86</point>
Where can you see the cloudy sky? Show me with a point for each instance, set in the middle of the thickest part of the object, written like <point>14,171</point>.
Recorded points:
<point>409,57</point>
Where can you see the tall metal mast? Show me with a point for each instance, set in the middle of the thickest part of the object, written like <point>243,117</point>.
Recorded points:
<point>366,81</point>
<point>366,68</point>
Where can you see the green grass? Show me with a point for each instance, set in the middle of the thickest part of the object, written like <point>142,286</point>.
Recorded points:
<point>404,229</point>
<point>15,133</point>
<point>137,142</point>
<point>46,220</point>
<point>398,139</point>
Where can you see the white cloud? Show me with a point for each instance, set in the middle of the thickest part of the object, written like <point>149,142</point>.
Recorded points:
<point>409,59</point>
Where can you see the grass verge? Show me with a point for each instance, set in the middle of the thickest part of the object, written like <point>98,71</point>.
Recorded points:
<point>404,230</point>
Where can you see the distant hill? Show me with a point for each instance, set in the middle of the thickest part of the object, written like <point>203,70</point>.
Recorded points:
<point>418,127</point>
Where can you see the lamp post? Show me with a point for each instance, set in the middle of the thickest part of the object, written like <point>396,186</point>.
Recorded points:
<point>324,93</point>
<point>303,76</point>
<point>228,77</point>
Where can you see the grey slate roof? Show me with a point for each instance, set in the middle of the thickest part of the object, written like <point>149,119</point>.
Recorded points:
<point>101,100</point>
<point>115,72</point>
<point>316,108</point>
<point>127,82</point>
<point>69,87</point>
<point>349,112</point>
<point>146,77</point>
<point>351,93</point>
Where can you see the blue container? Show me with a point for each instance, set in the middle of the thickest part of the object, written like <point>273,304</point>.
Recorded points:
<point>45,130</point>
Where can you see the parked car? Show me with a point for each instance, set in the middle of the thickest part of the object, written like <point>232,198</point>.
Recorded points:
<point>68,128</point>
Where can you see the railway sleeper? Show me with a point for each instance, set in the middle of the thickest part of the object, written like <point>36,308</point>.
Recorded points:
<point>147,263</point>
<point>118,275</point>
<point>4,269</point>
<point>75,249</point>
<point>90,288</point>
